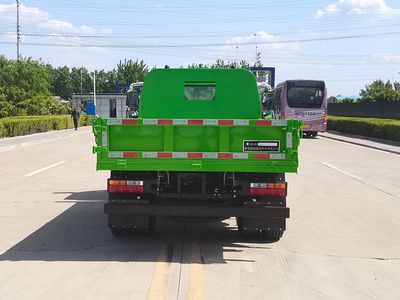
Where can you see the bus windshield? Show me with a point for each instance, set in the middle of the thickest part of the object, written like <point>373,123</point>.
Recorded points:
<point>307,94</point>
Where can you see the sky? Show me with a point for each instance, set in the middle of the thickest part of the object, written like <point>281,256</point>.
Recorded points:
<point>347,43</point>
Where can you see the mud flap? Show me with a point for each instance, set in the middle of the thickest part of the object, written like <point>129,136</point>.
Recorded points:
<point>129,221</point>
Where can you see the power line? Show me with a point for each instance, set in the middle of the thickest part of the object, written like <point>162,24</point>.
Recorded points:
<point>210,44</point>
<point>202,35</point>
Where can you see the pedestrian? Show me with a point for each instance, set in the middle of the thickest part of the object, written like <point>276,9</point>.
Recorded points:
<point>75,117</point>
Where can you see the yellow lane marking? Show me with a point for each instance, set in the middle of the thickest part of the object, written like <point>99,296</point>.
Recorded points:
<point>196,274</point>
<point>159,283</point>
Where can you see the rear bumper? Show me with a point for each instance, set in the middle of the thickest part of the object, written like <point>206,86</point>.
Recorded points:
<point>197,211</point>
<point>314,128</point>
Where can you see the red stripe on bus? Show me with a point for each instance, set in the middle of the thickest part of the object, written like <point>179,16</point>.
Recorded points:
<point>164,154</point>
<point>195,122</point>
<point>263,122</point>
<point>131,154</point>
<point>195,155</point>
<point>225,122</point>
<point>131,122</point>
<point>262,156</point>
<point>165,122</point>
<point>225,155</point>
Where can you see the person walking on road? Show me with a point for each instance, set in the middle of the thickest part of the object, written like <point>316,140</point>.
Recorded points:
<point>75,117</point>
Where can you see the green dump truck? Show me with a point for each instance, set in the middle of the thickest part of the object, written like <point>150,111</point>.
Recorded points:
<point>199,150</point>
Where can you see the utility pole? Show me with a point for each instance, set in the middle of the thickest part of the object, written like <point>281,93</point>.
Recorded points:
<point>81,81</point>
<point>94,88</point>
<point>18,31</point>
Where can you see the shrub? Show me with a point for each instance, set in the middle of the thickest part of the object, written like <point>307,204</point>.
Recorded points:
<point>378,128</point>
<point>22,125</point>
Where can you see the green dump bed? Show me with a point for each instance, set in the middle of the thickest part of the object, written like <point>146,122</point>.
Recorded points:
<point>206,120</point>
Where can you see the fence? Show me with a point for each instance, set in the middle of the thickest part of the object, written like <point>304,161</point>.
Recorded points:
<point>383,110</point>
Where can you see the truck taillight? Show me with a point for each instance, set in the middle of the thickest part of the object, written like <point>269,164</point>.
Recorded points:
<point>268,189</point>
<point>125,186</point>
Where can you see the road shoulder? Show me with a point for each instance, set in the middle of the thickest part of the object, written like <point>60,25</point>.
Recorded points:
<point>379,144</point>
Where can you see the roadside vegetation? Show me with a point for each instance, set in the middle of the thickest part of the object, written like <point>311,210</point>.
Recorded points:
<point>22,125</point>
<point>371,127</point>
<point>33,88</point>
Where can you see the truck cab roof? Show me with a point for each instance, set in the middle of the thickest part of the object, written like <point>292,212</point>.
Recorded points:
<point>200,93</point>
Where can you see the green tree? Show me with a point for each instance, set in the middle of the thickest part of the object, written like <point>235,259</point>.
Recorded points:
<point>87,83</point>
<point>21,81</point>
<point>129,71</point>
<point>380,91</point>
<point>333,99</point>
<point>106,81</point>
<point>61,83</point>
<point>258,62</point>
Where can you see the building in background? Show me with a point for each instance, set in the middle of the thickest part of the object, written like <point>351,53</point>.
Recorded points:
<point>107,105</point>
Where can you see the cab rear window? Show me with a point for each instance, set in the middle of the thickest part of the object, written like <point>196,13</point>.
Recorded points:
<point>199,91</point>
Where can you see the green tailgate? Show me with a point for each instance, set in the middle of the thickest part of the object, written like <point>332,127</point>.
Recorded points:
<point>197,120</point>
<point>195,145</point>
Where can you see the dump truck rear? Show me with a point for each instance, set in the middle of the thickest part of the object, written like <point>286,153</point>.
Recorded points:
<point>199,150</point>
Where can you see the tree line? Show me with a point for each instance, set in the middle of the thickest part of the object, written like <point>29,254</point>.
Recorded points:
<point>378,91</point>
<point>32,87</point>
<point>29,87</point>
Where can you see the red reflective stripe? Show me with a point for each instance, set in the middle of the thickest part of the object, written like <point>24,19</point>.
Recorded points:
<point>225,155</point>
<point>263,122</point>
<point>267,192</point>
<point>131,122</point>
<point>195,155</point>
<point>165,122</point>
<point>195,122</point>
<point>131,154</point>
<point>126,189</point>
<point>262,156</point>
<point>225,122</point>
<point>164,154</point>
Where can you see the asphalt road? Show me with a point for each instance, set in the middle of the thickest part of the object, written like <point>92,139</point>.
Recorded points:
<point>342,240</point>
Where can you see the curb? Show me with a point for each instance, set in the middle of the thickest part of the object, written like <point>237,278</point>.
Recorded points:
<point>360,144</point>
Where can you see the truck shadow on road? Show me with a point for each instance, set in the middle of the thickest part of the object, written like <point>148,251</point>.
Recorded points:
<point>80,233</point>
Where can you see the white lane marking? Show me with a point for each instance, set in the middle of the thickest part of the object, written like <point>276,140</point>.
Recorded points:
<point>334,168</point>
<point>349,143</point>
<point>45,168</point>
<point>342,171</point>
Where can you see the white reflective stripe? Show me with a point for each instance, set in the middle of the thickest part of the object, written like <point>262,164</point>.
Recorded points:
<point>240,155</point>
<point>115,154</point>
<point>289,140</point>
<point>136,183</point>
<point>179,154</point>
<point>277,156</point>
<point>149,155</point>
<point>104,138</point>
<point>210,122</point>
<point>259,185</point>
<point>241,122</point>
<point>272,144</point>
<point>114,122</point>
<point>210,155</point>
<point>150,121</point>
<point>279,123</point>
<point>180,122</point>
